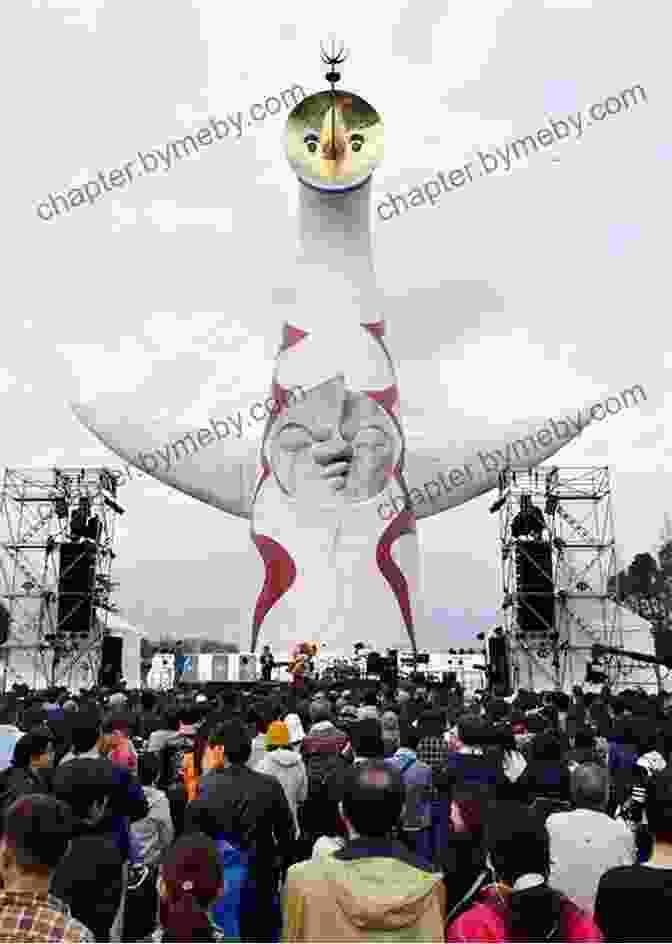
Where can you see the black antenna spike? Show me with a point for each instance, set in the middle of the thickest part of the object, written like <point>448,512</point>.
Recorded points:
<point>333,58</point>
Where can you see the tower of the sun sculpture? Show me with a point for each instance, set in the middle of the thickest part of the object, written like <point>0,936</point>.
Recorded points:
<point>333,493</point>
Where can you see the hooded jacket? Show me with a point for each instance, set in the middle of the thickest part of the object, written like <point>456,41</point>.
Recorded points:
<point>288,767</point>
<point>152,835</point>
<point>370,890</point>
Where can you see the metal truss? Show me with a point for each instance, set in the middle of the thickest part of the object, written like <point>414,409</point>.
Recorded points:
<point>36,518</point>
<point>574,516</point>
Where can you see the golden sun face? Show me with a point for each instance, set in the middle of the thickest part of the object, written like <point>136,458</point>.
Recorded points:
<point>334,141</point>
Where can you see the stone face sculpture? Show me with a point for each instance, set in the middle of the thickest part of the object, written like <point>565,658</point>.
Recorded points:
<point>331,493</point>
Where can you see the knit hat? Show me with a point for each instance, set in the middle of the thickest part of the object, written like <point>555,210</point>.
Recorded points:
<point>117,699</point>
<point>295,729</point>
<point>277,734</point>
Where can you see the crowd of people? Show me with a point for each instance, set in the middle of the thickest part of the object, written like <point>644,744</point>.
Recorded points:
<point>409,813</point>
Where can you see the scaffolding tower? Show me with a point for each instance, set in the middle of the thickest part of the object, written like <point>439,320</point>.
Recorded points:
<point>564,517</point>
<point>40,512</point>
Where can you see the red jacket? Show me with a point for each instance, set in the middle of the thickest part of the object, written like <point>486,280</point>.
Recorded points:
<point>487,921</point>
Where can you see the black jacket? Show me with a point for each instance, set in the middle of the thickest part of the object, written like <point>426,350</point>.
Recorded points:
<point>247,808</point>
<point>18,781</point>
<point>89,878</point>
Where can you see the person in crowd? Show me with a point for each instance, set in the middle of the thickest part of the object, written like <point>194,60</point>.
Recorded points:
<point>584,750</point>
<point>512,760</point>
<point>416,821</point>
<point>324,751</point>
<point>31,768</point>
<point>367,741</point>
<point>373,887</point>
<point>178,774</point>
<point>191,879</point>
<point>403,699</point>
<point>260,718</point>
<point>295,729</point>
<point>118,747</point>
<point>117,701</point>
<point>471,764</point>
<point>165,731</point>
<point>148,716</point>
<point>547,773</point>
<point>248,812</point>
<point>452,735</point>
<point>585,842</point>
<point>267,664</point>
<point>287,767</point>
<point>432,748</point>
<point>36,833</point>
<point>389,723</point>
<point>128,801</point>
<point>462,854</point>
<point>152,834</point>
<point>150,837</point>
<point>519,904</point>
<point>90,876</point>
<point>197,760</point>
<point>87,739</point>
<point>631,902</point>
<point>10,733</point>
<point>369,708</point>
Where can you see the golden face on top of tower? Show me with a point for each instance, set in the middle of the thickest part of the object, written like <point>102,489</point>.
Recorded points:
<point>334,140</point>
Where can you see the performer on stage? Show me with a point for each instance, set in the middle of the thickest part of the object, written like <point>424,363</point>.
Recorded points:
<point>301,663</point>
<point>267,664</point>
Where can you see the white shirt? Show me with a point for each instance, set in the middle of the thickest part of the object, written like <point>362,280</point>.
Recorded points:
<point>584,845</point>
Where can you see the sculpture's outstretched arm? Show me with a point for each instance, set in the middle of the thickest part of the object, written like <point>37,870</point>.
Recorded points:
<point>443,478</point>
<point>214,468</point>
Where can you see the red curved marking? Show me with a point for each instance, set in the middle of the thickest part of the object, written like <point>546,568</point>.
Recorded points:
<point>376,328</point>
<point>280,394</point>
<point>291,336</point>
<point>388,398</point>
<point>404,523</point>
<point>265,472</point>
<point>280,575</point>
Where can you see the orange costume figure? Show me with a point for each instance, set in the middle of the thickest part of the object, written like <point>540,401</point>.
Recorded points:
<point>300,661</point>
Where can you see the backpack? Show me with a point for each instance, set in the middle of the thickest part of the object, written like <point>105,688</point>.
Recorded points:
<point>319,768</point>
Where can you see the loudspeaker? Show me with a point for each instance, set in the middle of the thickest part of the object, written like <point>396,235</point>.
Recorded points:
<point>248,668</point>
<point>75,587</point>
<point>500,672</point>
<point>534,577</point>
<point>375,664</point>
<point>110,662</point>
<point>5,621</point>
<point>663,643</point>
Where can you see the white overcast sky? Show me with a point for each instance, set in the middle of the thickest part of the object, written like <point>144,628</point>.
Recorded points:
<point>522,294</point>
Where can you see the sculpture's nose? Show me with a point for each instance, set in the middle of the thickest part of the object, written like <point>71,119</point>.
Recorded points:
<point>333,142</point>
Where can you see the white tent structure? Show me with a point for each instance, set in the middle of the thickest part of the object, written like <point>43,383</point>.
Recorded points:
<point>24,665</point>
<point>582,622</point>
<point>132,638</point>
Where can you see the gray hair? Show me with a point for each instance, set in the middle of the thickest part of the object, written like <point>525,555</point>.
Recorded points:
<point>590,786</point>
